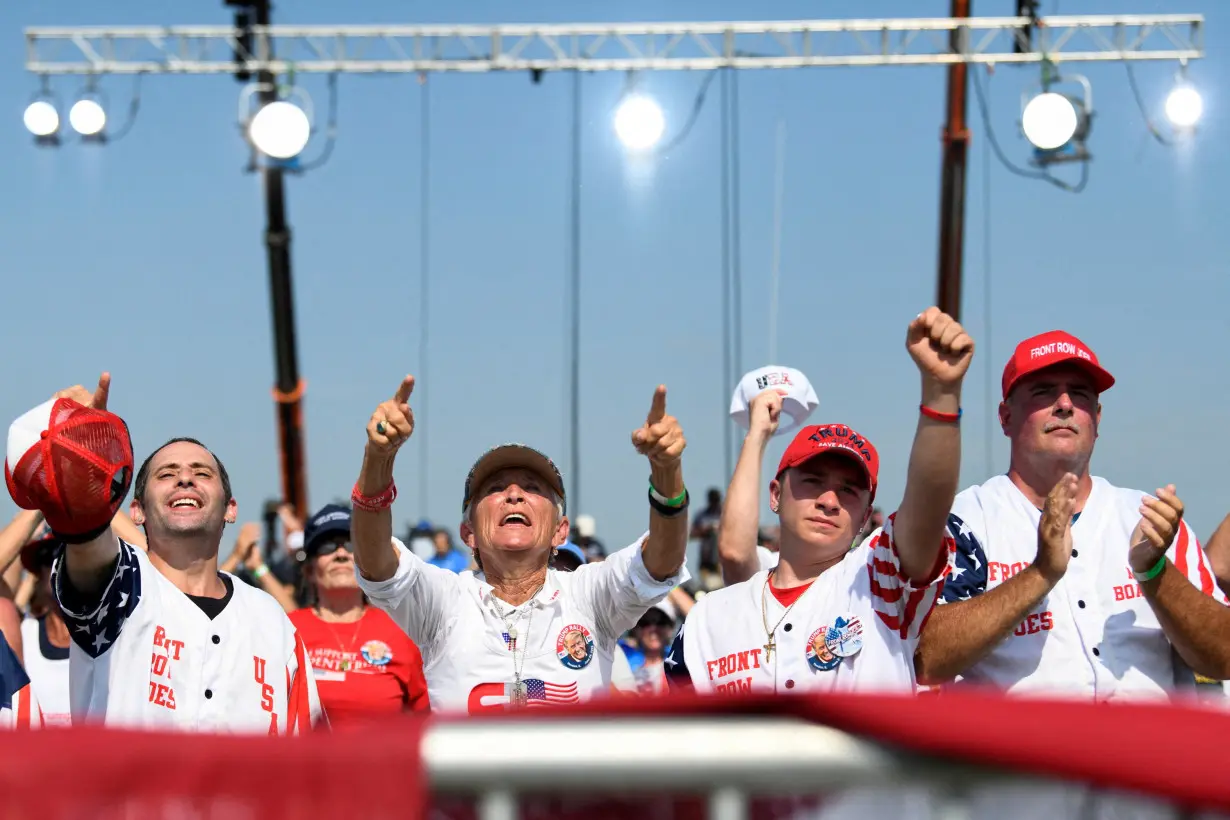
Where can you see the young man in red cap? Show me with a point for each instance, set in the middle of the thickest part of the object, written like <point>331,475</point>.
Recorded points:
<point>1065,583</point>
<point>831,616</point>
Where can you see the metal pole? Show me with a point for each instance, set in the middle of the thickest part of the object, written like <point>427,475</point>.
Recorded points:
<point>288,390</point>
<point>727,381</point>
<point>952,186</point>
<point>736,222</point>
<point>574,500</point>
<point>424,284</point>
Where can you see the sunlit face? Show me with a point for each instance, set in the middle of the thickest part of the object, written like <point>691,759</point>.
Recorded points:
<point>1053,413</point>
<point>335,570</point>
<point>514,510</point>
<point>575,644</point>
<point>184,496</point>
<point>822,503</point>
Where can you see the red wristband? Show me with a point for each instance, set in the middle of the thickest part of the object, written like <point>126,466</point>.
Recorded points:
<point>373,503</point>
<point>936,415</point>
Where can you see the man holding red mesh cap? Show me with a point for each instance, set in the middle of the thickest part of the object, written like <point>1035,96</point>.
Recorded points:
<point>1065,583</point>
<point>160,640</point>
<point>831,616</point>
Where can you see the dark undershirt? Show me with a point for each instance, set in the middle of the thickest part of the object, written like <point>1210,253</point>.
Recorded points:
<point>77,601</point>
<point>49,650</point>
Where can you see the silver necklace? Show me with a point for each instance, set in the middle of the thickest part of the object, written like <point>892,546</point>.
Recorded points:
<point>520,695</point>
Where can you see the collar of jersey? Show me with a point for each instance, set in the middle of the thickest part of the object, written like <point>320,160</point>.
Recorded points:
<point>549,595</point>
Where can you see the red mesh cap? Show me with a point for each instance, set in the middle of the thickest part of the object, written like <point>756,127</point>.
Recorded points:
<point>1051,348</point>
<point>71,463</point>
<point>819,439</point>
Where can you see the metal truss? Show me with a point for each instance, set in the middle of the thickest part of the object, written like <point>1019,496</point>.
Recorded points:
<point>612,47</point>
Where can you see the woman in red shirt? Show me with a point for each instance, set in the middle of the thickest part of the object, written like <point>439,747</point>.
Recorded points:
<point>366,667</point>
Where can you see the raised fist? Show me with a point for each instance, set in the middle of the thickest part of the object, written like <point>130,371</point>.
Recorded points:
<point>939,346</point>
<point>765,412</point>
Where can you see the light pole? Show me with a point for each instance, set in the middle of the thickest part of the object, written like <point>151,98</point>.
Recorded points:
<point>288,386</point>
<point>574,289</point>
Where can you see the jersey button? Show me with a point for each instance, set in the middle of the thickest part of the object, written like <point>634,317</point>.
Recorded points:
<point>217,639</point>
<point>209,693</point>
<point>1075,553</point>
<point>789,684</point>
<point>1081,604</point>
<point>787,627</point>
<point>1096,653</point>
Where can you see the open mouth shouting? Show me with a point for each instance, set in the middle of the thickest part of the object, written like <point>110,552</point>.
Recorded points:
<point>515,519</point>
<point>184,501</point>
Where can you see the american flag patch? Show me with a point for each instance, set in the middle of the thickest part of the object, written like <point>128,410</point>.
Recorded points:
<point>542,693</point>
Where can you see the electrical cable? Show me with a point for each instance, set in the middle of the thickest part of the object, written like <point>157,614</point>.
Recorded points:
<point>1007,163</point>
<point>1140,103</point>
<point>330,132</point>
<point>133,107</point>
<point>697,105</point>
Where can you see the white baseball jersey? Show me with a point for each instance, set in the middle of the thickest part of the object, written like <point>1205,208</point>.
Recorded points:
<point>565,637</point>
<point>47,667</point>
<point>724,646</point>
<point>1094,635</point>
<point>147,656</point>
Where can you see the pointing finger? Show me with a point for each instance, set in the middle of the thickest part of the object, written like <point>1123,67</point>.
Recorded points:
<point>403,392</point>
<point>657,410</point>
<point>102,391</point>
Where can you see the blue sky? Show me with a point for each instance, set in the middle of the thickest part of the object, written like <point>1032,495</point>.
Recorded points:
<point>145,257</point>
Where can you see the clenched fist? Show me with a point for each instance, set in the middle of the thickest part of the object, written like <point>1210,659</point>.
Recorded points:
<point>1055,529</point>
<point>940,347</point>
<point>660,439</point>
<point>764,414</point>
<point>392,422</point>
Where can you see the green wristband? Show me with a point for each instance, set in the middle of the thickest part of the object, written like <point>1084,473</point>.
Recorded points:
<point>1152,573</point>
<point>677,501</point>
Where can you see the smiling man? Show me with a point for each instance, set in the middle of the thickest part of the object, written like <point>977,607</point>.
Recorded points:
<point>164,640</point>
<point>517,632</point>
<point>1113,602</point>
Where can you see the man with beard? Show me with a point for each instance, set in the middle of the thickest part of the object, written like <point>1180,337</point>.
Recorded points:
<point>1111,598</point>
<point>164,640</point>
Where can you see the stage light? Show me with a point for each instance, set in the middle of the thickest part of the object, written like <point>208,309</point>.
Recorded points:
<point>1050,120</point>
<point>41,119</point>
<point>87,117</point>
<point>1184,107</point>
<point>639,122</point>
<point>280,130</point>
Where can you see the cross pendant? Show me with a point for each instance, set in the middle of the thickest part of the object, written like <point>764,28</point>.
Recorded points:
<point>768,649</point>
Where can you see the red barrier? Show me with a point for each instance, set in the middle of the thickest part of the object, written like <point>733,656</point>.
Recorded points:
<point>1174,752</point>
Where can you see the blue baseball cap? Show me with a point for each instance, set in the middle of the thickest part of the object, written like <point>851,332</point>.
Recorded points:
<point>573,550</point>
<point>329,521</point>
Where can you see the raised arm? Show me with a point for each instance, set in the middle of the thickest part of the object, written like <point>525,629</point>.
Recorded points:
<point>371,524</point>
<point>12,538</point>
<point>661,440</point>
<point>1197,626</point>
<point>942,350</point>
<point>963,632</point>
<point>740,526</point>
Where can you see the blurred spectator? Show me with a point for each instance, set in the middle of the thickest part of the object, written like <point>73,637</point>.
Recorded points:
<point>705,530</point>
<point>645,652</point>
<point>248,563</point>
<point>568,557</point>
<point>874,522</point>
<point>45,637</point>
<point>447,556</point>
<point>422,540</point>
<point>365,666</point>
<point>584,536</point>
